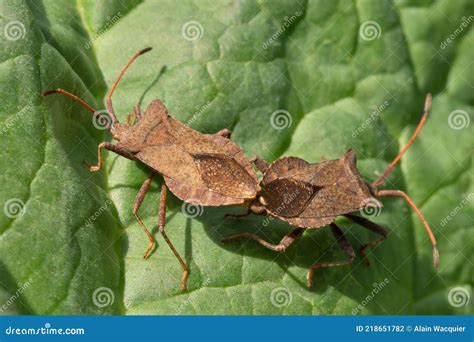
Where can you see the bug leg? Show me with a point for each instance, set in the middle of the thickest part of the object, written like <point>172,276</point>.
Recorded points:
<point>161,226</point>
<point>233,216</point>
<point>129,119</point>
<point>111,147</point>
<point>255,208</point>
<point>224,133</point>
<point>137,112</point>
<point>286,241</point>
<point>346,248</point>
<point>363,222</point>
<point>134,117</point>
<point>97,167</point>
<point>136,206</point>
<point>261,164</point>
<point>399,193</point>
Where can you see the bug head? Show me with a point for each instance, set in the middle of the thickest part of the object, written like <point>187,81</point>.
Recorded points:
<point>119,130</point>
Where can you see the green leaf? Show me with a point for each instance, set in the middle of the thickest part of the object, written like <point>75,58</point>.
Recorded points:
<point>50,260</point>
<point>338,74</point>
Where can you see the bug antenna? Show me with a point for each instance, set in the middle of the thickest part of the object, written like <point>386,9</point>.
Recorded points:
<point>110,108</point>
<point>389,168</point>
<point>76,98</point>
<point>434,244</point>
<point>70,95</point>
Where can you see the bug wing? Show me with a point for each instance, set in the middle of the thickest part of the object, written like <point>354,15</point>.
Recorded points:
<point>205,169</point>
<point>208,180</point>
<point>318,174</point>
<point>221,163</point>
<point>281,168</point>
<point>287,197</point>
<point>224,175</point>
<point>339,189</point>
<point>198,144</point>
<point>149,130</point>
<point>195,142</point>
<point>172,162</point>
<point>199,195</point>
<point>349,193</point>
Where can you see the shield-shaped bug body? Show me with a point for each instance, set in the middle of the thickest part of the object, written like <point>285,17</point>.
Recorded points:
<point>202,169</point>
<point>312,195</point>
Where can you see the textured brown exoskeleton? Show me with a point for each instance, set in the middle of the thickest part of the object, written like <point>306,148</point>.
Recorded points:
<point>312,195</point>
<point>201,169</point>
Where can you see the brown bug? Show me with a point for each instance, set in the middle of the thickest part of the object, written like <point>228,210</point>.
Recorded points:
<point>201,169</point>
<point>312,195</point>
